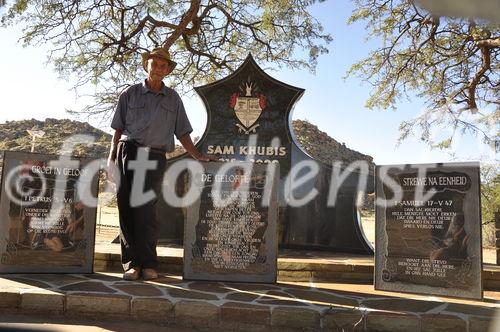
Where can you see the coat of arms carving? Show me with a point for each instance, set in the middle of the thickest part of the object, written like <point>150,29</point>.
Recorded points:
<point>247,107</point>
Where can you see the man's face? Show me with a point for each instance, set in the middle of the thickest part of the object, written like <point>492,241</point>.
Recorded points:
<point>158,68</point>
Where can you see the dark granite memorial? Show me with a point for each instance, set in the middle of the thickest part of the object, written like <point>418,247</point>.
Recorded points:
<point>428,229</point>
<point>237,240</point>
<point>249,119</point>
<point>44,225</point>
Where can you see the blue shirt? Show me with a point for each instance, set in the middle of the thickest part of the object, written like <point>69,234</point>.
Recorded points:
<point>150,118</point>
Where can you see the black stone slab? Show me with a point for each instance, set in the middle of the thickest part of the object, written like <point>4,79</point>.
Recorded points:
<point>44,225</point>
<point>237,241</point>
<point>249,118</point>
<point>429,241</point>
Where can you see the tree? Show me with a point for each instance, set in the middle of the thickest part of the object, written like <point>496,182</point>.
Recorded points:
<point>490,192</point>
<point>490,200</point>
<point>450,62</point>
<point>100,41</point>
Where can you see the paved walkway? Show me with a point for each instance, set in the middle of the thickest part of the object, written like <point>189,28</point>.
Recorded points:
<point>304,299</point>
<point>171,301</point>
<point>29,323</point>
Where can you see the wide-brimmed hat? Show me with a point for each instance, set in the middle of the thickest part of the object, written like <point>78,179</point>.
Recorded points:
<point>158,52</point>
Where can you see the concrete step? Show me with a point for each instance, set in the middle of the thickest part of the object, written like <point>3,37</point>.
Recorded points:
<point>285,306</point>
<point>293,265</point>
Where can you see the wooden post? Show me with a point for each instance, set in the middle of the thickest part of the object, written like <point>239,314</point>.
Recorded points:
<point>497,235</point>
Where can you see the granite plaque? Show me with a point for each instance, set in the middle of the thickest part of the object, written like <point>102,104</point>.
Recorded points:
<point>249,119</point>
<point>45,225</point>
<point>231,232</point>
<point>428,229</point>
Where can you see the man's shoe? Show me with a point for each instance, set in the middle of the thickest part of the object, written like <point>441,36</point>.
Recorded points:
<point>148,274</point>
<point>132,274</point>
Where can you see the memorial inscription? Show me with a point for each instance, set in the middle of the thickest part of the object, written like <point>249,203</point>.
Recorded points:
<point>45,225</point>
<point>231,232</point>
<point>428,230</point>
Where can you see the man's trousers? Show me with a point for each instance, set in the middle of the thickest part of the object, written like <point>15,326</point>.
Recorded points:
<point>138,224</point>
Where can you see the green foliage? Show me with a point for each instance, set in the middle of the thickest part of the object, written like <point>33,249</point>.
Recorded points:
<point>451,63</point>
<point>100,42</point>
<point>490,192</point>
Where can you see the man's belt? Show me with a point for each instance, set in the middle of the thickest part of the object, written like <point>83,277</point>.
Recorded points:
<point>147,148</point>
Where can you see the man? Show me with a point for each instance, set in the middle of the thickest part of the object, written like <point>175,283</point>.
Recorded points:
<point>147,117</point>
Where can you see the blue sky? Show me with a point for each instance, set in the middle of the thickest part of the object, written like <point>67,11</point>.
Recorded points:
<point>30,89</point>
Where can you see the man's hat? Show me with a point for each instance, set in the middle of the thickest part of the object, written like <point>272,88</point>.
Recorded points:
<point>158,52</point>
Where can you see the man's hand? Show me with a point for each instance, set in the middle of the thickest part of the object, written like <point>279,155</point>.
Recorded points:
<point>111,170</point>
<point>187,143</point>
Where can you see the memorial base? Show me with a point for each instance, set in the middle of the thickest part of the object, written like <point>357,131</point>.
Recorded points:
<point>316,291</point>
<point>293,265</point>
<point>285,306</point>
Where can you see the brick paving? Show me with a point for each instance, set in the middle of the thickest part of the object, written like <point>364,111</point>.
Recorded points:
<point>317,291</point>
<point>292,305</point>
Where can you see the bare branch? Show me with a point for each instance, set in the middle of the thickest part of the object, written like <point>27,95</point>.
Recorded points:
<point>187,18</point>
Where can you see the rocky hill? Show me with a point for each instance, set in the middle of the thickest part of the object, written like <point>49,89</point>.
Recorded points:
<point>14,136</point>
<point>321,146</point>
